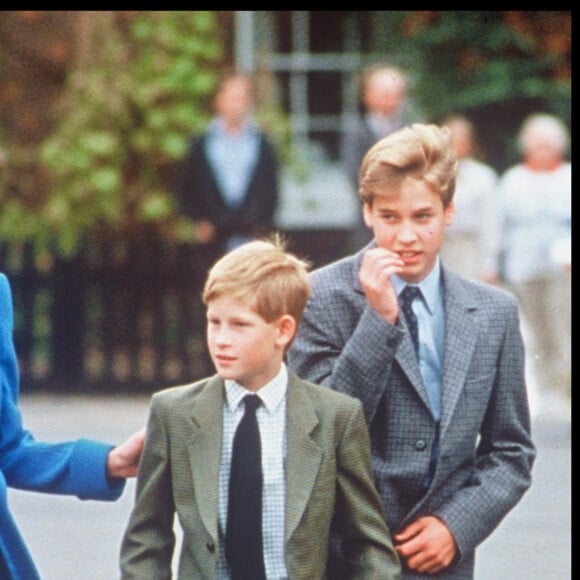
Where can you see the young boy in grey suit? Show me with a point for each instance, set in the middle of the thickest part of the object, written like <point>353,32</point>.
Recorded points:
<point>315,449</point>
<point>440,376</point>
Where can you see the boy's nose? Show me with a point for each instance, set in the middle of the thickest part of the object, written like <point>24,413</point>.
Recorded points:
<point>222,336</point>
<point>407,233</point>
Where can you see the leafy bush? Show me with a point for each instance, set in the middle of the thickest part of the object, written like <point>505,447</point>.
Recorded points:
<point>127,112</point>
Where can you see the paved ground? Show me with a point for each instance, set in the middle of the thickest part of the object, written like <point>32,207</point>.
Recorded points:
<point>75,540</point>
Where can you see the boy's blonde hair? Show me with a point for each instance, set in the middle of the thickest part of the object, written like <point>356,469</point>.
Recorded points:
<point>421,152</point>
<point>263,275</point>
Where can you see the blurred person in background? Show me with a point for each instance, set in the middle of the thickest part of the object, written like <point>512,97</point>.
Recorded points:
<point>471,242</point>
<point>229,179</point>
<point>535,212</point>
<point>228,183</point>
<point>87,469</point>
<point>383,94</point>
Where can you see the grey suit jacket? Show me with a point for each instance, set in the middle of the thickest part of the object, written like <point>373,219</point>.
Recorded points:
<point>486,451</point>
<point>328,469</point>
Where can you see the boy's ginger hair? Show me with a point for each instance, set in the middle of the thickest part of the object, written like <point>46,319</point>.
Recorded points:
<point>263,275</point>
<point>421,152</point>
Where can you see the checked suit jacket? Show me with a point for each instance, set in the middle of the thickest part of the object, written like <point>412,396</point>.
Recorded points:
<point>328,469</point>
<point>486,452</point>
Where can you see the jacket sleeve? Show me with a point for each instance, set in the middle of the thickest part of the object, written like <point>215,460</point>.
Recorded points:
<point>270,187</point>
<point>149,541</point>
<point>366,541</point>
<point>505,452</point>
<point>194,182</point>
<point>72,468</point>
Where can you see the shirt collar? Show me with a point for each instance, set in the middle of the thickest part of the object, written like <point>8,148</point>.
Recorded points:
<point>217,128</point>
<point>430,286</point>
<point>271,394</point>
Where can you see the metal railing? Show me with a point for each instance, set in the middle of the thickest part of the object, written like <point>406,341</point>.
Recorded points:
<point>122,318</point>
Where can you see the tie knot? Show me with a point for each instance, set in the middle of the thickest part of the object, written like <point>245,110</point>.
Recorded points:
<point>409,293</point>
<point>251,403</point>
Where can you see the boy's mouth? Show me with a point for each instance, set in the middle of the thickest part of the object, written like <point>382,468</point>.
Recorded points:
<point>409,257</point>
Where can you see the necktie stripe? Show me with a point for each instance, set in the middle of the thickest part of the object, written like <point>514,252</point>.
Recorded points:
<point>406,297</point>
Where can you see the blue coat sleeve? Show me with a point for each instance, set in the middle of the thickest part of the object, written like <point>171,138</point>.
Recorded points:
<point>71,468</point>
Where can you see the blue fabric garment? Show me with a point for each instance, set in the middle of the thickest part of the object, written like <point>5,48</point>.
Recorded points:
<point>72,468</point>
<point>233,159</point>
<point>430,315</point>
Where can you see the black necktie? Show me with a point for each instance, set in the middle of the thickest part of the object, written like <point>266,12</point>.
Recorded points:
<point>244,551</point>
<point>406,298</point>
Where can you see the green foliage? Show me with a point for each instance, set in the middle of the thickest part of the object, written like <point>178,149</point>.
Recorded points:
<point>472,62</point>
<point>470,59</point>
<point>131,103</point>
<point>127,118</point>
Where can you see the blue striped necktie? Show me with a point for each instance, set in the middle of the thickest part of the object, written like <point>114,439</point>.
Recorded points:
<point>406,297</point>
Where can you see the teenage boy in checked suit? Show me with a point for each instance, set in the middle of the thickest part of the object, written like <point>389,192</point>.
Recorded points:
<point>315,446</point>
<point>448,415</point>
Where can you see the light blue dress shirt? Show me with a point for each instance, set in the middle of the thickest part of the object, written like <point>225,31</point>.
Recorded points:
<point>233,158</point>
<point>430,312</point>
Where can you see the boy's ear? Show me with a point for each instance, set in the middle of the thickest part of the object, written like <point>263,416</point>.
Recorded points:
<point>286,330</point>
<point>367,210</point>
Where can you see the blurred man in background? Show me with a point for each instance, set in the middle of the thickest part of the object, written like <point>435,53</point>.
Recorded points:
<point>229,178</point>
<point>383,95</point>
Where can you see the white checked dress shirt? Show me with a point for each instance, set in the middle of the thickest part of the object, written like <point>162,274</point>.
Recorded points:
<point>271,418</point>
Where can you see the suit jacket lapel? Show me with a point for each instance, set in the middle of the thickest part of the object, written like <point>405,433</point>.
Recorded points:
<point>407,359</point>
<point>205,449</point>
<point>460,340</point>
<point>303,455</point>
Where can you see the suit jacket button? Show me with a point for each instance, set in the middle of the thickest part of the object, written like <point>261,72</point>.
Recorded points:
<point>210,546</point>
<point>420,445</point>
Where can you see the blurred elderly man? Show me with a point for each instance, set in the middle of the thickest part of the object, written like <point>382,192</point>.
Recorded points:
<point>384,97</point>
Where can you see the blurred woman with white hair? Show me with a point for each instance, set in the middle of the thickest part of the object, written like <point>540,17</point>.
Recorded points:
<point>535,208</point>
